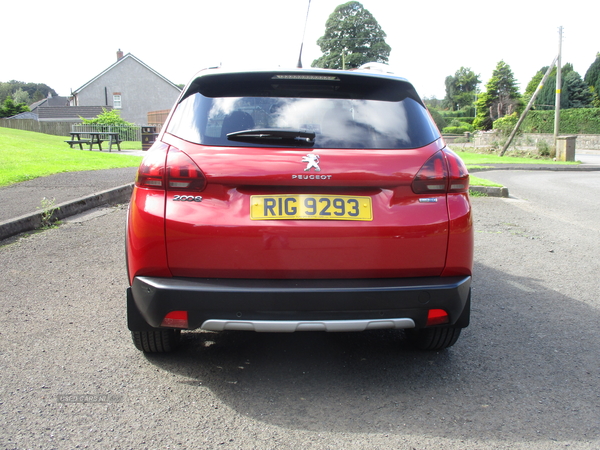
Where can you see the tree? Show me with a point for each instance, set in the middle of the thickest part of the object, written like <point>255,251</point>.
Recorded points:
<point>575,93</point>
<point>36,91</point>
<point>592,78</point>
<point>433,102</point>
<point>461,89</point>
<point>534,83</point>
<point>21,96</point>
<point>352,38</point>
<point>579,94</point>
<point>500,99</point>
<point>10,108</point>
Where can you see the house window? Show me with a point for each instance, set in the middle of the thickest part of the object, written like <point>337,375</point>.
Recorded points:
<point>117,101</point>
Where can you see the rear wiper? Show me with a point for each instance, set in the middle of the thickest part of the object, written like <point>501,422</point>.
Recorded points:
<point>275,135</point>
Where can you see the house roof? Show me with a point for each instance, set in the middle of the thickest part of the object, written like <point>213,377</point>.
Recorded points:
<point>128,55</point>
<point>70,112</point>
<point>50,101</point>
<point>25,115</point>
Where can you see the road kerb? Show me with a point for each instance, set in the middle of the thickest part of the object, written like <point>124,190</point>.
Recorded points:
<point>34,221</point>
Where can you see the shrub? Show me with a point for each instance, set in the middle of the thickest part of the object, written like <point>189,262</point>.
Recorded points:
<point>506,124</point>
<point>438,118</point>
<point>107,117</point>
<point>544,148</point>
<point>572,121</point>
<point>456,130</point>
<point>111,118</point>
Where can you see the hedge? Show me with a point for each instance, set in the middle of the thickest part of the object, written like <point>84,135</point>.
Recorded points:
<point>572,121</point>
<point>455,130</point>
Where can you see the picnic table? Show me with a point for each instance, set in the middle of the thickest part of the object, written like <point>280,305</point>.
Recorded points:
<point>92,138</point>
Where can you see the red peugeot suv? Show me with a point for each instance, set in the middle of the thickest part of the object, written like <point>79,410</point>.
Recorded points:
<point>299,200</point>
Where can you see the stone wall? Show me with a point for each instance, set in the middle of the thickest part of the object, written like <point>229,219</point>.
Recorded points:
<point>531,140</point>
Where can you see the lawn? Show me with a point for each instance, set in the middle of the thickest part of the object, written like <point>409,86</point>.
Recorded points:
<point>474,159</point>
<point>476,181</point>
<point>25,155</point>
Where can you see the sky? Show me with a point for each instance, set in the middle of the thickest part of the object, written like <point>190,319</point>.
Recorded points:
<point>70,42</point>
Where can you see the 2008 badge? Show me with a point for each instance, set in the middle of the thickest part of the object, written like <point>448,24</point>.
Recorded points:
<point>187,198</point>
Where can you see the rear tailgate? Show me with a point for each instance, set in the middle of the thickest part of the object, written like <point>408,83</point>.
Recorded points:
<point>395,233</point>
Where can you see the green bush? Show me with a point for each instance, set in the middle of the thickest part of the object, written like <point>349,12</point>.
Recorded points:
<point>506,124</point>
<point>457,127</point>
<point>462,113</point>
<point>438,118</point>
<point>110,119</point>
<point>572,121</point>
<point>456,130</point>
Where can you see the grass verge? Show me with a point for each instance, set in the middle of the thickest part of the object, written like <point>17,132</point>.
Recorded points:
<point>473,159</point>
<point>476,181</point>
<point>25,155</point>
<point>476,160</point>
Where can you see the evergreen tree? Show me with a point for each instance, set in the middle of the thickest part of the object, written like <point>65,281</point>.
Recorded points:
<point>500,98</point>
<point>574,91</point>
<point>535,82</point>
<point>352,38</point>
<point>592,78</point>
<point>9,108</point>
<point>579,94</point>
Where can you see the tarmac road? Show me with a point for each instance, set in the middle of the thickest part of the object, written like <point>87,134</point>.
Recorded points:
<point>524,375</point>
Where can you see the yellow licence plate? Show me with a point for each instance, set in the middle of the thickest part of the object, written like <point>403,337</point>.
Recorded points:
<point>323,207</point>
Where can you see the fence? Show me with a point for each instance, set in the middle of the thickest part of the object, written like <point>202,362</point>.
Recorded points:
<point>126,132</point>
<point>158,118</point>
<point>54,128</point>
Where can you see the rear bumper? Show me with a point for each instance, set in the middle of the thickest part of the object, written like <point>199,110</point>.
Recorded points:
<point>291,305</point>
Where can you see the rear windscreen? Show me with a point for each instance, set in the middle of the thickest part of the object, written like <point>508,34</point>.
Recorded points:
<point>345,111</point>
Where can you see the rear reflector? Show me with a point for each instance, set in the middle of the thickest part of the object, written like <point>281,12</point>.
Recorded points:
<point>175,319</point>
<point>437,317</point>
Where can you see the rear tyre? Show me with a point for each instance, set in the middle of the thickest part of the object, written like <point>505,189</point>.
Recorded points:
<point>434,338</point>
<point>156,341</point>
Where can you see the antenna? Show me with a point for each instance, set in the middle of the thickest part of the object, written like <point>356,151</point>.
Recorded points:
<point>303,33</point>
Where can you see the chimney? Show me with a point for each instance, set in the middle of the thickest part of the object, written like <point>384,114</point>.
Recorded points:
<point>119,54</point>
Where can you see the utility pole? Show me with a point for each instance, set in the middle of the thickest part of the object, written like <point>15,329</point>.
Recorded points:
<point>529,105</point>
<point>558,87</point>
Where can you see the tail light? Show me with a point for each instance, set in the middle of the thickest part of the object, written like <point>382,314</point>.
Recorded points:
<point>459,175</point>
<point>167,168</point>
<point>443,173</point>
<point>182,173</point>
<point>151,173</point>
